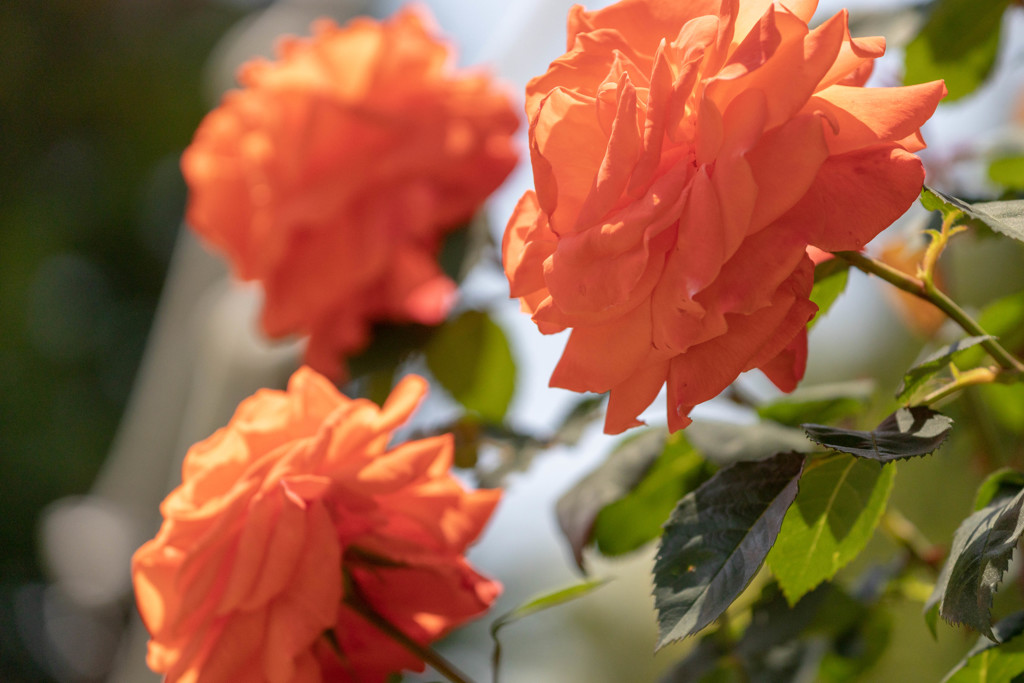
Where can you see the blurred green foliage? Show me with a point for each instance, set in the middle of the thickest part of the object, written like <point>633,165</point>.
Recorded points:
<point>99,97</point>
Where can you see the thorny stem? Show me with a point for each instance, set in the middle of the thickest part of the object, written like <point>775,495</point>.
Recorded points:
<point>931,294</point>
<point>428,655</point>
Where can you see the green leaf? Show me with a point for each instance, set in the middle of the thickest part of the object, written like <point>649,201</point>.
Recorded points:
<point>637,517</point>
<point>907,433</point>
<point>1008,172</point>
<point>1005,404</point>
<point>958,43</point>
<point>717,539</point>
<point>830,279</point>
<point>993,662</point>
<point>471,359</point>
<point>725,443</point>
<point>621,471</point>
<point>916,376</point>
<point>1003,319</point>
<point>546,601</point>
<point>982,546</point>
<point>841,500</point>
<point>821,403</point>
<point>1000,484</point>
<point>538,604</point>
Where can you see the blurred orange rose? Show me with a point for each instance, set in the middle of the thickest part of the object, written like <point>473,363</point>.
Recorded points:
<point>685,154</point>
<point>905,254</point>
<point>287,516</point>
<point>333,177</point>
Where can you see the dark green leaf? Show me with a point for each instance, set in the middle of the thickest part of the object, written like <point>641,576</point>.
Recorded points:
<point>637,517</point>
<point>982,546</point>
<point>1008,172</point>
<point>907,433</point>
<point>471,359</point>
<point>958,43</point>
<point>622,470</point>
<point>841,500</point>
<point>916,376</point>
<point>1003,217</point>
<point>538,604</point>
<point>725,443</point>
<point>717,539</point>
<point>822,403</point>
<point>993,662</point>
<point>829,282</point>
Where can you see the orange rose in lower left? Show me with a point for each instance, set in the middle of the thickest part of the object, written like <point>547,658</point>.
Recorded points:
<point>293,522</point>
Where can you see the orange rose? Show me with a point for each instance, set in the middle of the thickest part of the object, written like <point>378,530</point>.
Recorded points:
<point>287,516</point>
<point>685,155</point>
<point>333,177</point>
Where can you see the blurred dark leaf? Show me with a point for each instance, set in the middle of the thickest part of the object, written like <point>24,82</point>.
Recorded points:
<point>471,359</point>
<point>907,433</point>
<point>636,518</point>
<point>916,376</point>
<point>725,443</point>
<point>829,636</point>
<point>830,279</point>
<point>392,344</point>
<point>717,539</point>
<point>580,416</point>
<point>980,554</point>
<point>621,471</point>
<point>1002,660</point>
<point>958,44</point>
<point>820,403</point>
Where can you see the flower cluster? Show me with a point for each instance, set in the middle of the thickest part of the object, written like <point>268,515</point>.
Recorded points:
<point>334,175</point>
<point>290,523</point>
<point>685,155</point>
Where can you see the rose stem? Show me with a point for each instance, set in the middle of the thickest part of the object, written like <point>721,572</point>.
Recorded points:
<point>932,295</point>
<point>428,655</point>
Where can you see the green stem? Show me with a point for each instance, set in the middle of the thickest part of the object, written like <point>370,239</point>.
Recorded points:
<point>428,655</point>
<point>922,290</point>
<point>905,533</point>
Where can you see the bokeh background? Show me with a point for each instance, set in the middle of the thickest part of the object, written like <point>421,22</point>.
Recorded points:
<point>97,100</point>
